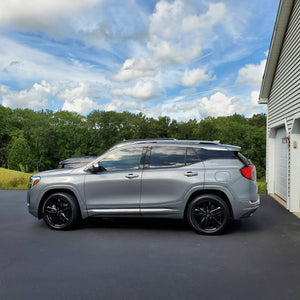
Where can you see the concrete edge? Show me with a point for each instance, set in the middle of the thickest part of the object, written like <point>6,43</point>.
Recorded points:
<point>283,203</point>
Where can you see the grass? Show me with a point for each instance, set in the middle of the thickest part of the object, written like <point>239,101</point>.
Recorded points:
<point>13,180</point>
<point>262,187</point>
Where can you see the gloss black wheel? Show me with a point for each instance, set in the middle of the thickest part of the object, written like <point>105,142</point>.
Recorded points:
<point>208,214</point>
<point>60,211</point>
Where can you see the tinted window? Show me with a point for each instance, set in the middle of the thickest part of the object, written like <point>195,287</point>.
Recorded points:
<point>167,157</point>
<point>123,159</point>
<point>191,156</point>
<point>206,154</point>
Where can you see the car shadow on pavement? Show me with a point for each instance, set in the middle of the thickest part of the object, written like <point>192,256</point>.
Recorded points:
<point>135,223</point>
<point>234,226</point>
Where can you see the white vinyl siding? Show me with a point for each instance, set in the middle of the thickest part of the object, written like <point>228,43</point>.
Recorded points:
<point>284,99</point>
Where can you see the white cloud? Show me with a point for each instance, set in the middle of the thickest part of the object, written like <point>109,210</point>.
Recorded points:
<point>173,38</point>
<point>143,90</point>
<point>215,13</point>
<point>217,105</point>
<point>24,63</point>
<point>251,75</point>
<point>41,14</point>
<point>78,99</point>
<point>135,68</point>
<point>123,105</point>
<point>195,77</point>
<point>254,98</point>
<point>35,98</point>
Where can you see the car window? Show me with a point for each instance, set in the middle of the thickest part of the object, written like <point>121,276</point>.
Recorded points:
<point>123,159</point>
<point>191,156</point>
<point>167,157</point>
<point>206,154</point>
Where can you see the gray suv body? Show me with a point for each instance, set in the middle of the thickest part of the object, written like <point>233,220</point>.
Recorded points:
<point>205,183</point>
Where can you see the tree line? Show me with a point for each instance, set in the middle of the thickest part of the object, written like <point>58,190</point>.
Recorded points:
<point>38,140</point>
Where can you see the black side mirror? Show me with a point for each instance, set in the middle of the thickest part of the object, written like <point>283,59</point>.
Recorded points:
<point>96,167</point>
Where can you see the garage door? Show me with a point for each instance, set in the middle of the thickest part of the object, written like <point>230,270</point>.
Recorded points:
<point>281,164</point>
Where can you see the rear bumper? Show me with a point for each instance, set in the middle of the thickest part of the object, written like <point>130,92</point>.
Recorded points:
<point>247,209</point>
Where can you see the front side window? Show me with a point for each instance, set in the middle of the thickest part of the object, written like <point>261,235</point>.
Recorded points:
<point>123,159</point>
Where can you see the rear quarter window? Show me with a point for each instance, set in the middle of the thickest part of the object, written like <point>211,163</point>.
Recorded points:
<point>206,154</point>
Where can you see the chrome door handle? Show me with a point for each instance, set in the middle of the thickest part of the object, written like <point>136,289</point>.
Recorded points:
<point>130,176</point>
<point>190,174</point>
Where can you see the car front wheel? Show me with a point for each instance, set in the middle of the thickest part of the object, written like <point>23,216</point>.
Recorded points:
<point>60,211</point>
<point>208,214</point>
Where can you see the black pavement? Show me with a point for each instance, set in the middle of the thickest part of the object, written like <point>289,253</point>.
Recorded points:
<point>257,258</point>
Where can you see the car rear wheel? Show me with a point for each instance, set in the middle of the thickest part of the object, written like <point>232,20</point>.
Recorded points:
<point>60,211</point>
<point>208,214</point>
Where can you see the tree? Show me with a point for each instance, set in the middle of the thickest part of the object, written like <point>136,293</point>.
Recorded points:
<point>19,157</point>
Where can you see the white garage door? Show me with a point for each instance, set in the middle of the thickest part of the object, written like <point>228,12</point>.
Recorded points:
<point>281,164</point>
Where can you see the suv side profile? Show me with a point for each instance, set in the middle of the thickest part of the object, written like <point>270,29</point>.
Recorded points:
<point>204,182</point>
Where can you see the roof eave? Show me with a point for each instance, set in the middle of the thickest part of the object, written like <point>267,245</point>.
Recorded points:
<point>282,20</point>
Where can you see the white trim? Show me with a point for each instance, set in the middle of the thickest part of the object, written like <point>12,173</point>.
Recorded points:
<point>295,165</point>
<point>271,155</point>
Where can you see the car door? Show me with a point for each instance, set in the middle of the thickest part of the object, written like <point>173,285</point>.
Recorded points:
<point>116,189</point>
<point>170,173</point>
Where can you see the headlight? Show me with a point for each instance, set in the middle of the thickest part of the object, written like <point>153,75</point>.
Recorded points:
<point>33,181</point>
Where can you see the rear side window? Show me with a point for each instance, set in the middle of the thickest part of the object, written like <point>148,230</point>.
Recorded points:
<point>206,154</point>
<point>170,157</point>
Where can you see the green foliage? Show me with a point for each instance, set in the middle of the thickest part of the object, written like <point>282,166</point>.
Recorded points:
<point>39,140</point>
<point>19,155</point>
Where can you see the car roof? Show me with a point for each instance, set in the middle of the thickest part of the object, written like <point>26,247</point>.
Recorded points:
<point>211,145</point>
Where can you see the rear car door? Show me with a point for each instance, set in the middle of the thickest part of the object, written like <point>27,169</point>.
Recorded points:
<point>170,174</point>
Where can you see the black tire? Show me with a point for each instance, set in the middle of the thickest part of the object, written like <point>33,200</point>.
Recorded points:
<point>208,214</point>
<point>60,211</point>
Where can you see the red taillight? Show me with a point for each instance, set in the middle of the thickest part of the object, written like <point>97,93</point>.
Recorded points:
<point>249,172</point>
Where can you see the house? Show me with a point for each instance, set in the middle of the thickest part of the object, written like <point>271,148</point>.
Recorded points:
<point>280,91</point>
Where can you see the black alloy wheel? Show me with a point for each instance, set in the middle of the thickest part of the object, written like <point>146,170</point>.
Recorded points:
<point>208,214</point>
<point>60,211</point>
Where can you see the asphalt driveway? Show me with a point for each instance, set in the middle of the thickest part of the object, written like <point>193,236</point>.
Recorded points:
<point>257,258</point>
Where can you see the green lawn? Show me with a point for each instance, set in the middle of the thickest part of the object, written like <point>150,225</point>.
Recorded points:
<point>13,180</point>
<point>262,187</point>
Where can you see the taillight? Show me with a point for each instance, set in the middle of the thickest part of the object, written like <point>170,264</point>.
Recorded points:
<point>249,172</point>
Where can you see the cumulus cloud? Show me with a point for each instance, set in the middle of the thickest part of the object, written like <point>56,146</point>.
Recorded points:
<point>195,77</point>
<point>251,74</point>
<point>35,98</point>
<point>173,38</point>
<point>217,105</point>
<point>142,90</point>
<point>78,99</point>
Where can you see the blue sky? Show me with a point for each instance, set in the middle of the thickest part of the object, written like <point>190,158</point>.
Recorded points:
<point>184,58</point>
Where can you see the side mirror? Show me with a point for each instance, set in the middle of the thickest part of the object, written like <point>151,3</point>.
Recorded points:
<point>96,167</point>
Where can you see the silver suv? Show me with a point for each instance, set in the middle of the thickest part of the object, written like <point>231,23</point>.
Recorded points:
<point>204,182</point>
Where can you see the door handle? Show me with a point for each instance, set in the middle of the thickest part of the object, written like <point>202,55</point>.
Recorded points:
<point>190,174</point>
<point>131,176</point>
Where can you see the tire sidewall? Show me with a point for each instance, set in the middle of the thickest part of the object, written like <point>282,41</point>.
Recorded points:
<point>74,213</point>
<point>199,200</point>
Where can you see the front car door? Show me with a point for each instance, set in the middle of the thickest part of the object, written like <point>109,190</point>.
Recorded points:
<point>116,189</point>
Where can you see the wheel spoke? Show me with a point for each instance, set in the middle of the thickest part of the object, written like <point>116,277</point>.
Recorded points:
<point>51,210</point>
